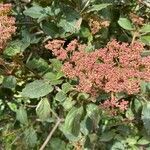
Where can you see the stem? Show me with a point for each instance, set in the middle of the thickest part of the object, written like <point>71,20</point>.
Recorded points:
<point>86,4</point>
<point>55,114</point>
<point>31,106</point>
<point>112,96</point>
<point>50,134</point>
<point>134,37</point>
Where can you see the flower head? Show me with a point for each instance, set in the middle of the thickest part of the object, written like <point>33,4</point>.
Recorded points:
<point>119,67</point>
<point>7,24</point>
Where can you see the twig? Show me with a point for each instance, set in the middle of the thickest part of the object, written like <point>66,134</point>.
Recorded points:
<point>30,55</point>
<point>112,96</point>
<point>86,4</point>
<point>55,114</point>
<point>134,37</point>
<point>50,134</point>
<point>30,106</point>
<point>16,139</point>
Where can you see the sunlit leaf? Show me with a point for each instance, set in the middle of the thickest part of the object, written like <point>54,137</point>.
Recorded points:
<point>43,109</point>
<point>145,28</point>
<point>97,7</point>
<point>126,24</point>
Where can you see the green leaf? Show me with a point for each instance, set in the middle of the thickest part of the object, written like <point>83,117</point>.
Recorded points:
<point>85,33</point>
<point>56,142</point>
<point>52,12</point>
<point>145,39</point>
<point>43,109</point>
<point>60,96</point>
<point>53,78</point>
<point>12,106</point>
<point>82,96</point>
<point>143,141</point>
<point>1,79</point>
<point>145,28</point>
<point>9,82</point>
<point>146,117</point>
<point>68,26</point>
<point>137,105</point>
<point>107,136</point>
<point>70,21</point>
<point>131,140</point>
<point>72,122</point>
<point>37,89</point>
<point>144,86</point>
<point>50,29</point>
<point>118,146</point>
<point>13,48</point>
<point>34,12</point>
<point>66,87</point>
<point>91,119</point>
<point>57,65</point>
<point>93,112</point>
<point>38,64</point>
<point>30,137</point>
<point>68,103</point>
<point>125,23</point>
<point>129,114</point>
<point>21,115</point>
<point>2,106</point>
<point>97,7</point>
<point>28,38</point>
<point>87,125</point>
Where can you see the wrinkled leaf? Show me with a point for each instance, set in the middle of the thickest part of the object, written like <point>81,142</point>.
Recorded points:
<point>37,89</point>
<point>30,137</point>
<point>93,112</point>
<point>34,12</point>
<point>9,82</point>
<point>43,109</point>
<point>56,142</point>
<point>107,136</point>
<point>56,64</point>
<point>13,48</point>
<point>21,115</point>
<point>66,87</point>
<point>68,103</point>
<point>60,96</point>
<point>72,122</point>
<point>50,29</point>
<point>38,64</point>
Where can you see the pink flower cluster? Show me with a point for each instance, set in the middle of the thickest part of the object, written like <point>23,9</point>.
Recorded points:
<point>7,27</point>
<point>119,67</point>
<point>111,106</point>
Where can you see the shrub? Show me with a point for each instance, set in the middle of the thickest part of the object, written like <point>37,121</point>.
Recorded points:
<point>74,74</point>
